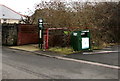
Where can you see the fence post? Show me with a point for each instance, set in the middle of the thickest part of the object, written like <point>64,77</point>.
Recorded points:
<point>47,38</point>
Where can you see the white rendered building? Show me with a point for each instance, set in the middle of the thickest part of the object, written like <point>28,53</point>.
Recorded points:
<point>7,15</point>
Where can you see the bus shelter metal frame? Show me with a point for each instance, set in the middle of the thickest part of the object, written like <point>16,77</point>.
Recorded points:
<point>46,36</point>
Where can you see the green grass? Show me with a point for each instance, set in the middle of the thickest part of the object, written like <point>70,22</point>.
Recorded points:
<point>69,50</point>
<point>103,45</point>
<point>62,50</point>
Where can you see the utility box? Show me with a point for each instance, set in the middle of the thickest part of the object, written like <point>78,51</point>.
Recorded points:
<point>80,40</point>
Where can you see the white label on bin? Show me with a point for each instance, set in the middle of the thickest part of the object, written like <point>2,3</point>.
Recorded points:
<point>40,34</point>
<point>85,43</point>
<point>86,31</point>
<point>75,34</point>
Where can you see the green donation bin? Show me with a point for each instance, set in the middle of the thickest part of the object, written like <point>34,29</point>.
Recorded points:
<point>80,40</point>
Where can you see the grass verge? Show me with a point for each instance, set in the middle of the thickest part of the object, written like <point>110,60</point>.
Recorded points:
<point>69,50</point>
<point>62,50</point>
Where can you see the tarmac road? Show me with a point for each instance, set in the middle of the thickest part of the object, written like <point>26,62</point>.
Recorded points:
<point>25,65</point>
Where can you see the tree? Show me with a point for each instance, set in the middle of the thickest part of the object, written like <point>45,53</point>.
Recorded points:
<point>102,18</point>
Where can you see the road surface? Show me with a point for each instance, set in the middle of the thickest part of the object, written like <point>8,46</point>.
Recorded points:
<point>25,65</point>
<point>106,58</point>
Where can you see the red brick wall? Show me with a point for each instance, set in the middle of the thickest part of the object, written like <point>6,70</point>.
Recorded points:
<point>27,34</point>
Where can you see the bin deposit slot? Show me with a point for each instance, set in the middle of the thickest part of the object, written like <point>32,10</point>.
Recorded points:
<point>84,34</point>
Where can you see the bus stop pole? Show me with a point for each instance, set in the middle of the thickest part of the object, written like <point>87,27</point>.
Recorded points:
<point>40,25</point>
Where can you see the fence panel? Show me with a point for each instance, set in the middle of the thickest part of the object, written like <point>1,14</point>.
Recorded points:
<point>27,34</point>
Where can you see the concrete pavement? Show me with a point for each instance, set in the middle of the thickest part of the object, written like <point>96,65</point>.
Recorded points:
<point>30,47</point>
<point>34,48</point>
<point>107,55</point>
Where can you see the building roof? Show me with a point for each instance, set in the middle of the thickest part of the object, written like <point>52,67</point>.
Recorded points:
<point>8,13</point>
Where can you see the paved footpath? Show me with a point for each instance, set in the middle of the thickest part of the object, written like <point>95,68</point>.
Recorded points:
<point>107,55</point>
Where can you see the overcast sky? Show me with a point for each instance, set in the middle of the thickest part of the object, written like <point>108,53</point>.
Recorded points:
<point>23,6</point>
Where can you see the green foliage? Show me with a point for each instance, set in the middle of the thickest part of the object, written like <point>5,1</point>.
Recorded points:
<point>65,50</point>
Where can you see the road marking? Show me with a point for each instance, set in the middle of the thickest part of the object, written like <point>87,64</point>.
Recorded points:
<point>88,62</point>
<point>100,52</point>
<point>81,61</point>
